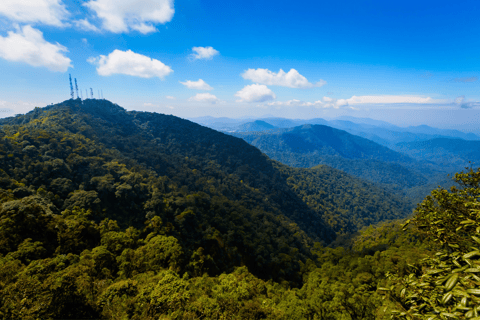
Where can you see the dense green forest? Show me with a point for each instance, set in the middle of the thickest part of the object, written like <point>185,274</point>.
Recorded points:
<point>109,214</point>
<point>448,152</point>
<point>308,146</point>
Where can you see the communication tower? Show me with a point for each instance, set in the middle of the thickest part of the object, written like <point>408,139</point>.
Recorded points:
<point>91,92</point>
<point>71,87</point>
<point>76,87</point>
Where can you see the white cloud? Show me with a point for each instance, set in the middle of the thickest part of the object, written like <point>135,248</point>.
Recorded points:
<point>291,79</point>
<point>255,93</point>
<point>49,12</point>
<point>206,53</point>
<point>84,24</point>
<point>205,97</point>
<point>328,102</point>
<point>130,63</point>
<point>126,15</point>
<point>197,85</point>
<point>171,98</point>
<point>464,104</point>
<point>28,45</point>
<point>386,99</point>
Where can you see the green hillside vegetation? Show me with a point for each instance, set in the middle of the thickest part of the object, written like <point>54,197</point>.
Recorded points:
<point>257,125</point>
<point>348,203</point>
<point>310,145</point>
<point>108,214</point>
<point>448,152</point>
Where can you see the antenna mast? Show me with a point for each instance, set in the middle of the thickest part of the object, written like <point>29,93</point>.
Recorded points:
<point>81,95</point>
<point>102,93</point>
<point>71,86</point>
<point>91,92</point>
<point>76,87</point>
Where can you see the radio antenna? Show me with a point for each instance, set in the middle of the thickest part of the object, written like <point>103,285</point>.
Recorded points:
<point>71,86</point>
<point>76,87</point>
<point>91,92</point>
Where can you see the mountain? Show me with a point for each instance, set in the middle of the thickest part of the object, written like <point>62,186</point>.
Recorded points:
<point>109,214</point>
<point>209,190</point>
<point>257,125</point>
<point>447,152</point>
<point>441,132</point>
<point>378,131</point>
<point>310,145</point>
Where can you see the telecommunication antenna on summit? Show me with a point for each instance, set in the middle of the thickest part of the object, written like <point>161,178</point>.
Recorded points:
<point>91,92</point>
<point>86,94</point>
<point>102,93</point>
<point>81,95</point>
<point>76,87</point>
<point>71,86</point>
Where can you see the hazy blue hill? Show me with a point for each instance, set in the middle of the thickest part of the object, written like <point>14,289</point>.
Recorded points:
<point>320,139</point>
<point>257,125</point>
<point>380,132</point>
<point>444,151</point>
<point>368,121</point>
<point>310,145</point>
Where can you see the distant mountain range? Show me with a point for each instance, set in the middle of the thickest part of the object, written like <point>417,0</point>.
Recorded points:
<point>381,132</point>
<point>445,151</point>
<point>310,145</point>
<point>222,199</point>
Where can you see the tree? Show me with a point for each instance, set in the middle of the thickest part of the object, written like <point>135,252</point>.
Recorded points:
<point>447,284</point>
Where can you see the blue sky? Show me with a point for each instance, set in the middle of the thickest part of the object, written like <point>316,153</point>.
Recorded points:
<point>406,62</point>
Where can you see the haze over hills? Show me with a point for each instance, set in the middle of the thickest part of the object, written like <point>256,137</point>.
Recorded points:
<point>445,151</point>
<point>381,132</point>
<point>310,145</point>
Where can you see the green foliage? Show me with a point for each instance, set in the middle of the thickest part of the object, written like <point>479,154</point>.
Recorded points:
<point>348,204</point>
<point>445,284</point>
<point>312,145</point>
<point>108,214</point>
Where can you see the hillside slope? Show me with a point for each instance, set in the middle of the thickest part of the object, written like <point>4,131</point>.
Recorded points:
<point>310,145</point>
<point>210,191</point>
<point>448,152</point>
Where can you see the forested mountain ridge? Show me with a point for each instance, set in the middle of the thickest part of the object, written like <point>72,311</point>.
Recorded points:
<point>349,203</point>
<point>323,140</point>
<point>448,152</point>
<point>310,145</point>
<point>201,231</point>
<point>132,166</point>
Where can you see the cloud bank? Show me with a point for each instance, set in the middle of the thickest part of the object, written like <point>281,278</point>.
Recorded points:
<point>291,79</point>
<point>130,63</point>
<point>28,45</point>
<point>48,12</point>
<point>205,97</point>
<point>119,16</point>
<point>204,53</point>
<point>255,93</point>
<point>197,85</point>
<point>466,79</point>
<point>327,102</point>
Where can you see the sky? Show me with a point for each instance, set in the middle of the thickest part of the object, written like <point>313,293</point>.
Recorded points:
<point>405,62</point>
